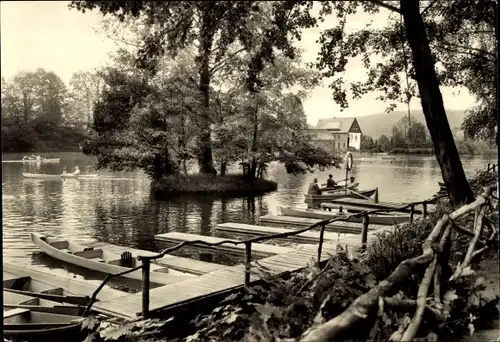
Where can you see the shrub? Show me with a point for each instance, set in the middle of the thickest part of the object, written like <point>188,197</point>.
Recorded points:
<point>221,185</point>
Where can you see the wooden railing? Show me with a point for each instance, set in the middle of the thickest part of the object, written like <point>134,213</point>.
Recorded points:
<point>146,260</point>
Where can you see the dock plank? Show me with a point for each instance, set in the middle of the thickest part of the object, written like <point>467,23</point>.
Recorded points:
<point>258,249</point>
<point>341,227</point>
<point>308,237</point>
<point>187,265</point>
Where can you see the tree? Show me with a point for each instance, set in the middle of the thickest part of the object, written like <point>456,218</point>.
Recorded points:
<point>214,27</point>
<point>34,105</point>
<point>404,47</point>
<point>85,89</point>
<point>384,143</point>
<point>367,143</point>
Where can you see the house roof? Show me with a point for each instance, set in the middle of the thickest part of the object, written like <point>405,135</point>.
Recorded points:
<point>338,124</point>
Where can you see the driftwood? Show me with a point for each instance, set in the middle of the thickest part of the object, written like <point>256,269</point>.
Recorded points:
<point>366,309</point>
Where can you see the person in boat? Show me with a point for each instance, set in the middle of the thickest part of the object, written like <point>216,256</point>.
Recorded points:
<point>351,182</point>
<point>330,183</point>
<point>77,171</point>
<point>314,188</point>
<point>65,171</point>
<point>26,158</point>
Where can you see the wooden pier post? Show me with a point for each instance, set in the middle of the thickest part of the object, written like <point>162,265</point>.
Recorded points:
<point>145,287</point>
<point>320,245</point>
<point>424,211</point>
<point>412,212</point>
<point>364,231</point>
<point>248,261</point>
<point>340,209</point>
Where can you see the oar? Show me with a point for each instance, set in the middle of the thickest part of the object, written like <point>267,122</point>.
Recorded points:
<point>361,195</point>
<point>76,300</point>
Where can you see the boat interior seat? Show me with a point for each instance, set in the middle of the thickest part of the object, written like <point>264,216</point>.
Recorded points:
<point>15,312</point>
<point>54,291</point>
<point>60,244</point>
<point>16,283</point>
<point>89,254</point>
<point>126,260</point>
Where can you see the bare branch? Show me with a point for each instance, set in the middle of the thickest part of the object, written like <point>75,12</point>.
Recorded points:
<point>381,3</point>
<point>221,63</point>
<point>429,6</point>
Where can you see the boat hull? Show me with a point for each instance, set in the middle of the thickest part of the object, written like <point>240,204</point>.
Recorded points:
<point>387,220</point>
<point>102,264</point>
<point>34,161</point>
<point>57,177</point>
<point>313,201</point>
<point>27,325</point>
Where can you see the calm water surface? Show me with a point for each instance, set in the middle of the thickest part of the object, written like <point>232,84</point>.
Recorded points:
<point>117,208</point>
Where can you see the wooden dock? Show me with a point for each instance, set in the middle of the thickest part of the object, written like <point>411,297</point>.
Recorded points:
<point>302,222</point>
<point>258,249</point>
<point>306,237</point>
<point>223,281</point>
<point>187,265</point>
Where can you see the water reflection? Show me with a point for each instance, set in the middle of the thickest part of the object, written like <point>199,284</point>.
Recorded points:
<point>117,207</point>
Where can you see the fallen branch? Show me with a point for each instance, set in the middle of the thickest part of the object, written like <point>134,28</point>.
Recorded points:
<point>380,313</point>
<point>478,229</point>
<point>461,229</point>
<point>412,329</point>
<point>366,304</point>
<point>406,305</point>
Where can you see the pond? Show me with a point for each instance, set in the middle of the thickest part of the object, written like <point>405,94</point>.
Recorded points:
<point>117,207</point>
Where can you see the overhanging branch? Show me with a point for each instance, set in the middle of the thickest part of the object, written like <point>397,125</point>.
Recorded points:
<point>381,3</point>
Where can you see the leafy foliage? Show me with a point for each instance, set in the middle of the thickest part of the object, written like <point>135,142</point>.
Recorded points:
<point>34,112</point>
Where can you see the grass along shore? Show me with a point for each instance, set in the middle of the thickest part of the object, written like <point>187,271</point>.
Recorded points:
<point>234,185</point>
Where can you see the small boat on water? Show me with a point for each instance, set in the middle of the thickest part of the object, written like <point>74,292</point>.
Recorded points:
<point>58,177</point>
<point>314,200</point>
<point>382,219</point>
<point>353,186</point>
<point>357,205</point>
<point>41,160</point>
<point>25,285</point>
<point>12,300</point>
<point>28,325</point>
<point>100,260</point>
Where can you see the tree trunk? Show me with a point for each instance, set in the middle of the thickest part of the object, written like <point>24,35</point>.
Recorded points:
<point>223,167</point>
<point>432,105</point>
<point>253,165</point>
<point>205,159</point>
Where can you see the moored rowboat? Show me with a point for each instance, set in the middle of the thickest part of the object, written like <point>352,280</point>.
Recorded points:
<point>43,160</point>
<point>387,220</point>
<point>28,325</point>
<point>13,300</point>
<point>314,200</point>
<point>35,288</point>
<point>103,261</point>
<point>58,177</point>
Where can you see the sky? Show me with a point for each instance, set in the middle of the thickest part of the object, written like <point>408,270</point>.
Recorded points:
<point>46,34</point>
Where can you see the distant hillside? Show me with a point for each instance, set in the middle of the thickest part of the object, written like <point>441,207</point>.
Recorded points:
<point>378,124</point>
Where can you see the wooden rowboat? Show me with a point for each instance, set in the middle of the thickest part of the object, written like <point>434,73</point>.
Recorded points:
<point>387,220</point>
<point>28,325</point>
<point>31,287</point>
<point>58,177</point>
<point>103,261</point>
<point>43,160</point>
<point>340,188</point>
<point>13,300</point>
<point>356,205</point>
<point>313,201</point>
